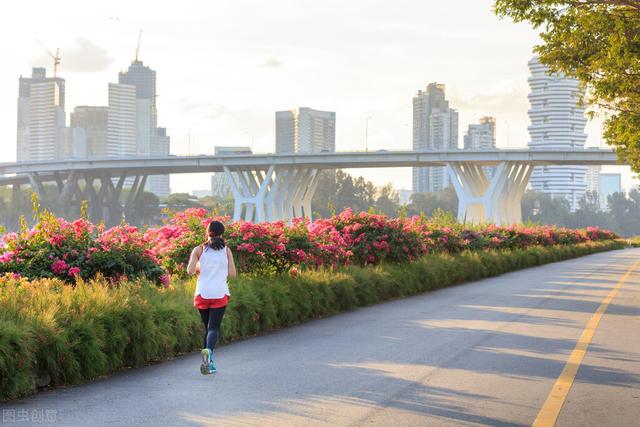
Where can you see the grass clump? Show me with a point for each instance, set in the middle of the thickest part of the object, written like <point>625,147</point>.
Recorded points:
<point>52,333</point>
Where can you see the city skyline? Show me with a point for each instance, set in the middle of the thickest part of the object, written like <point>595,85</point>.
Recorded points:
<point>236,80</point>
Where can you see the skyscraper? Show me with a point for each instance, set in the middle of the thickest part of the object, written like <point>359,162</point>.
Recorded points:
<point>150,140</point>
<point>41,116</point>
<point>143,79</point>
<point>557,122</point>
<point>159,184</point>
<point>435,127</point>
<point>481,136</point>
<point>593,178</point>
<point>304,130</point>
<point>121,128</point>
<point>94,121</point>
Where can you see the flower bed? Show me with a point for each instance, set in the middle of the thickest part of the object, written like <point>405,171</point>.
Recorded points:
<point>55,334</point>
<point>64,250</point>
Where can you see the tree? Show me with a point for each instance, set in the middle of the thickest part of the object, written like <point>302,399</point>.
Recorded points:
<point>544,209</point>
<point>427,203</point>
<point>625,212</point>
<point>597,42</point>
<point>182,201</point>
<point>387,201</point>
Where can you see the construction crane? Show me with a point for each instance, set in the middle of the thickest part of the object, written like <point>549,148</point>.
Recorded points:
<point>56,58</point>
<point>138,47</point>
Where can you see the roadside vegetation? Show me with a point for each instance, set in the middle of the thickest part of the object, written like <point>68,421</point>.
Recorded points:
<point>78,301</point>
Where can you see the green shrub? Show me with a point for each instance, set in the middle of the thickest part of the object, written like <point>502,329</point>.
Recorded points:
<point>54,334</point>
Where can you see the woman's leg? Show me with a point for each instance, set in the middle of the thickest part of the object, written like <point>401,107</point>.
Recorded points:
<point>204,315</point>
<point>213,326</point>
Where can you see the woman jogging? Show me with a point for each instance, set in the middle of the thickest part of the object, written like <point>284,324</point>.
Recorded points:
<point>214,261</point>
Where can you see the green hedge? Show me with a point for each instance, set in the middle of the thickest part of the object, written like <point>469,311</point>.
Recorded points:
<point>55,334</point>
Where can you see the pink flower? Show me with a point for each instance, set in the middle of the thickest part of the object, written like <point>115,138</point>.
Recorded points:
<point>73,271</point>
<point>165,280</point>
<point>59,266</point>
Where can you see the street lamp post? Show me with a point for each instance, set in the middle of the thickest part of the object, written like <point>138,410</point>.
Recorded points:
<point>366,134</point>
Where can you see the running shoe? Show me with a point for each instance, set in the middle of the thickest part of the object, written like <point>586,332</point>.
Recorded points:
<point>212,368</point>
<point>205,367</point>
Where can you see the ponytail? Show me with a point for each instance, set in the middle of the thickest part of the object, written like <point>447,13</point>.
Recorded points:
<point>215,231</point>
<point>216,243</point>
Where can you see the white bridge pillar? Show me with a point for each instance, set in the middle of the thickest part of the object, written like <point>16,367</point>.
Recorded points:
<point>496,200</point>
<point>279,193</point>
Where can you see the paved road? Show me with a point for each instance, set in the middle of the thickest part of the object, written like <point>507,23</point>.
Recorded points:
<point>484,353</point>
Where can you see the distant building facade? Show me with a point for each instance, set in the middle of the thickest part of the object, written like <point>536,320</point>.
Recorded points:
<point>592,178</point>
<point>133,121</point>
<point>219,184</point>
<point>482,136</point>
<point>435,127</point>
<point>94,121</point>
<point>304,130</point>
<point>609,183</point>
<point>41,133</point>
<point>557,121</point>
<point>121,125</point>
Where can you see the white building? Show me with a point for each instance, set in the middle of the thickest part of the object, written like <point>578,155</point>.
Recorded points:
<point>41,117</point>
<point>160,147</point>
<point>557,121</point>
<point>482,136</point>
<point>219,184</point>
<point>94,122</point>
<point>435,127</point>
<point>592,178</point>
<point>150,139</point>
<point>303,130</point>
<point>121,127</point>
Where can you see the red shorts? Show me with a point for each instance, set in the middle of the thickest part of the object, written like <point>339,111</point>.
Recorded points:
<point>204,303</point>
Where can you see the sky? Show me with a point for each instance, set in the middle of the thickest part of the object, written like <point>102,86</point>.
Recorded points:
<point>224,67</point>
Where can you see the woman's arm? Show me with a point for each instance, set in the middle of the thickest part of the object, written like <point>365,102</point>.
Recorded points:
<point>193,260</point>
<point>232,264</point>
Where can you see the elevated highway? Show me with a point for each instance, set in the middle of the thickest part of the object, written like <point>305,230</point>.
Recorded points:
<point>281,186</point>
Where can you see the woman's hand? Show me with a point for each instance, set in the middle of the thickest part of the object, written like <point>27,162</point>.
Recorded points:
<point>192,267</point>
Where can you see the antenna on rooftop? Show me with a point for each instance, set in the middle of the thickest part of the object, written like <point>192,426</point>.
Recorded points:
<point>138,47</point>
<point>56,57</point>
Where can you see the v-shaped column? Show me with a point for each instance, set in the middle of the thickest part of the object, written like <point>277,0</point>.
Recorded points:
<point>496,200</point>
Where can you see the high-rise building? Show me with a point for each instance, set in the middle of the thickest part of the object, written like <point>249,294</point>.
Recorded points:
<point>41,117</point>
<point>609,183</point>
<point>435,127</point>
<point>304,130</point>
<point>121,126</point>
<point>159,184</point>
<point>482,136</point>
<point>150,139</point>
<point>592,178</point>
<point>219,184</point>
<point>557,122</point>
<point>94,122</point>
<point>143,79</point>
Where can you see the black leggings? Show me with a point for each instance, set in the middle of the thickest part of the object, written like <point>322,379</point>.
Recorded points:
<point>212,318</point>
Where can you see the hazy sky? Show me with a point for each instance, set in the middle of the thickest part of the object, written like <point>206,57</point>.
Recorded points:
<point>224,67</point>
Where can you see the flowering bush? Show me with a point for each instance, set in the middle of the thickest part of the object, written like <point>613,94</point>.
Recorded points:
<point>55,248</point>
<point>66,250</point>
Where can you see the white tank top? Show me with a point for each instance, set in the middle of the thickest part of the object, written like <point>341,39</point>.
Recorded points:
<point>214,270</point>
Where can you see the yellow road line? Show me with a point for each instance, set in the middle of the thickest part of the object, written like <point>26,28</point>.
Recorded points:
<point>549,412</point>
